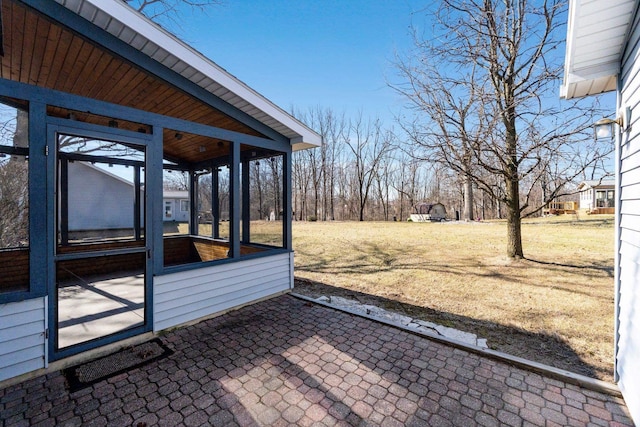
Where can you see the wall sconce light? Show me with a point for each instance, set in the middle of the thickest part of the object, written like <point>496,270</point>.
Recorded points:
<point>178,136</point>
<point>604,128</point>
<point>203,148</point>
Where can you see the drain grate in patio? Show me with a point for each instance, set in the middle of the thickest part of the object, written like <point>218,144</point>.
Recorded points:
<point>81,376</point>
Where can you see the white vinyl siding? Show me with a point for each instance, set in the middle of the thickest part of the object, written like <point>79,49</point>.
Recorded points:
<point>586,199</point>
<point>97,200</point>
<point>22,343</point>
<point>189,295</point>
<point>628,346</point>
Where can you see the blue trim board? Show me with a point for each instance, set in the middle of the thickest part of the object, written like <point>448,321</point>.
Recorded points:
<point>286,202</point>
<point>234,220</point>
<point>37,198</point>
<point>76,102</point>
<point>154,201</point>
<point>245,195</point>
<point>137,58</point>
<point>50,232</point>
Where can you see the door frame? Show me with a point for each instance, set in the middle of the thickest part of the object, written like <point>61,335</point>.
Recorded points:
<point>54,127</point>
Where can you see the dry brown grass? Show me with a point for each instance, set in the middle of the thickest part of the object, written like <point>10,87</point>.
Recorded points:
<point>555,307</point>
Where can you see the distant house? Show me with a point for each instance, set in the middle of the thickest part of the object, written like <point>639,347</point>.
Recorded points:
<point>175,205</point>
<point>428,212</point>
<point>597,196</point>
<point>90,186</point>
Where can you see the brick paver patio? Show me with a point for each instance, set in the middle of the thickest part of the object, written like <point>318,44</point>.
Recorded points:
<point>289,362</point>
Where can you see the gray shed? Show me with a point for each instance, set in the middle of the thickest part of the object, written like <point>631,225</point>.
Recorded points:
<point>424,212</point>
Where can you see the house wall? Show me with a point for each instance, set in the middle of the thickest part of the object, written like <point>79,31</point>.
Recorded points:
<point>189,295</point>
<point>177,214</point>
<point>97,200</point>
<point>586,199</point>
<point>22,341</point>
<point>628,346</point>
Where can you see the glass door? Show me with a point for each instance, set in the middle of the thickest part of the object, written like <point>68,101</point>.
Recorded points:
<point>101,254</point>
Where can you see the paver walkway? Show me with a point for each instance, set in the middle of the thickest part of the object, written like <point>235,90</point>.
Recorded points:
<point>288,362</point>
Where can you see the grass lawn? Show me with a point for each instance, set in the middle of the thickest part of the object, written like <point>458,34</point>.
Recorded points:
<point>554,307</point>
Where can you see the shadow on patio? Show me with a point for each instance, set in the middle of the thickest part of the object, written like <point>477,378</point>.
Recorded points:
<point>286,361</point>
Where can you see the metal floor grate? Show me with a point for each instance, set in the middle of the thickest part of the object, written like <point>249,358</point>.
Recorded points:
<point>81,376</point>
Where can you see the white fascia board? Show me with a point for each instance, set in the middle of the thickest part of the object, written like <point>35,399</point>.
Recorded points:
<point>173,46</point>
<point>569,52</point>
<point>594,46</point>
<point>594,72</point>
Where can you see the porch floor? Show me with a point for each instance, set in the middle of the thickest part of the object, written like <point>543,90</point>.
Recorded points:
<point>90,308</point>
<point>289,362</point>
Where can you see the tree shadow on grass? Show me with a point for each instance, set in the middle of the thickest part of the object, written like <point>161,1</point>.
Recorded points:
<point>604,268</point>
<point>371,258</point>
<point>549,349</point>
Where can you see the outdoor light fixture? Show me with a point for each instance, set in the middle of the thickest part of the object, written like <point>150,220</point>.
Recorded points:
<point>203,148</point>
<point>604,128</point>
<point>113,124</point>
<point>178,136</point>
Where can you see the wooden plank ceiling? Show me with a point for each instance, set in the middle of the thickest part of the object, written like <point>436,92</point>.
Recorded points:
<point>39,52</point>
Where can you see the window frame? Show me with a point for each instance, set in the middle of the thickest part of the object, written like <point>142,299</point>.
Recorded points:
<point>236,162</point>
<point>37,179</point>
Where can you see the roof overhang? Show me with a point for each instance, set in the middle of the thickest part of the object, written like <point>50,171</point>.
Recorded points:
<point>135,29</point>
<point>597,33</point>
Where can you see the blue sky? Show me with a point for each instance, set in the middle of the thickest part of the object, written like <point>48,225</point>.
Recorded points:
<point>330,53</point>
<point>334,54</point>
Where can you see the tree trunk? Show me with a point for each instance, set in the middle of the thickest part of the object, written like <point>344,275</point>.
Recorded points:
<point>514,233</point>
<point>468,199</point>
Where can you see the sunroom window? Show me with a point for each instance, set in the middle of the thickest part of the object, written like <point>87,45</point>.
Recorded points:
<point>14,198</point>
<point>203,168</point>
<point>196,191</point>
<point>263,197</point>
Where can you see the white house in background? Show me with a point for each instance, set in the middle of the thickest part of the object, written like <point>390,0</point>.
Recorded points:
<point>597,194</point>
<point>603,54</point>
<point>175,205</point>
<point>91,186</point>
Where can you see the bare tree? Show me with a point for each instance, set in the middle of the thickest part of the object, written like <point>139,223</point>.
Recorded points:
<point>176,180</point>
<point>369,144</point>
<point>14,189</point>
<point>456,122</point>
<point>14,203</point>
<point>170,12</point>
<point>499,69</point>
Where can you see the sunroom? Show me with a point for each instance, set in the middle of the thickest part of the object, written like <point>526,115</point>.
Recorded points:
<point>104,114</point>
